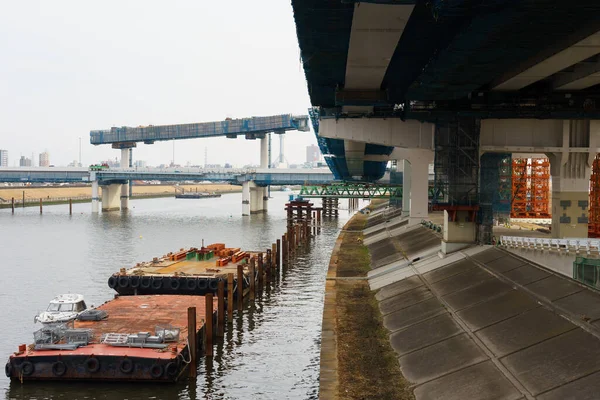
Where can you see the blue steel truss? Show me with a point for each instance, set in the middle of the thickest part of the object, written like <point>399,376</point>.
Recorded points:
<point>252,128</point>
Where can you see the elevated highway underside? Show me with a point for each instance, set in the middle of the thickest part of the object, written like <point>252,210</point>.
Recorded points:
<point>443,82</point>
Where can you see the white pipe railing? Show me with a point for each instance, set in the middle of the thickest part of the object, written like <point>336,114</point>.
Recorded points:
<point>566,246</point>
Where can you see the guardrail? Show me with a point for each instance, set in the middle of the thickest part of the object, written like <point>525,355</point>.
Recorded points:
<point>564,246</point>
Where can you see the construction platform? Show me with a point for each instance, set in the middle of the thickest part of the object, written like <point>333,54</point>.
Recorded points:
<point>142,338</point>
<point>194,271</point>
<point>483,322</point>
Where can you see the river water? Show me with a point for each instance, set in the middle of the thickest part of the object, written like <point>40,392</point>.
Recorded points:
<point>271,351</point>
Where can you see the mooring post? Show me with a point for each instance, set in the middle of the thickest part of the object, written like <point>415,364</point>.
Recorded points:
<point>240,286</point>
<point>268,265</point>
<point>192,342</point>
<point>208,324</point>
<point>230,297</point>
<point>221,308</point>
<point>318,221</point>
<point>252,283</point>
<point>261,272</point>
<point>274,259</point>
<point>23,199</point>
<point>13,205</point>
<point>278,253</point>
<point>40,205</point>
<point>70,206</point>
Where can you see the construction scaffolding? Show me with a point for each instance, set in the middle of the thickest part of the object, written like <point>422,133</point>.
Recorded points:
<point>495,187</point>
<point>594,217</point>
<point>456,164</point>
<point>530,188</point>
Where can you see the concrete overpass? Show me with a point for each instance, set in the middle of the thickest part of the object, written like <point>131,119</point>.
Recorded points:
<point>253,181</point>
<point>447,81</point>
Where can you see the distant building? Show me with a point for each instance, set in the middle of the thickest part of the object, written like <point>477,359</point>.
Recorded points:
<point>3,158</point>
<point>24,162</point>
<point>140,164</point>
<point>44,159</point>
<point>313,154</point>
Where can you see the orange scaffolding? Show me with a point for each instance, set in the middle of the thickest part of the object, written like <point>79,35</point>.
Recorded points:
<point>594,217</point>
<point>530,188</point>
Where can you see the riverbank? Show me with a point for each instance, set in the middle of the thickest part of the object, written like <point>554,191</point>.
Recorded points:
<point>81,194</point>
<point>357,361</point>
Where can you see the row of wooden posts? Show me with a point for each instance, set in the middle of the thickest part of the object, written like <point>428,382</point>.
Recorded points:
<point>262,270</point>
<point>41,205</point>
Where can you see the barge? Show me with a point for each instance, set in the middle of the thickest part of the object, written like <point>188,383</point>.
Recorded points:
<point>136,338</point>
<point>196,195</point>
<point>194,271</point>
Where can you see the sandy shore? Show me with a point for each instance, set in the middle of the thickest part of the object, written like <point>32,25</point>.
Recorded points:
<point>53,192</point>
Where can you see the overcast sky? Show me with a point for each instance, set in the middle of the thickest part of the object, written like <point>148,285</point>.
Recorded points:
<point>68,67</point>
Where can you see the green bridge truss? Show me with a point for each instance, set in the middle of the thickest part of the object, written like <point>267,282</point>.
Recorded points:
<point>352,190</point>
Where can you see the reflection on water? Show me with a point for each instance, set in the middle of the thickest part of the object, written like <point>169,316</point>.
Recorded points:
<point>270,351</point>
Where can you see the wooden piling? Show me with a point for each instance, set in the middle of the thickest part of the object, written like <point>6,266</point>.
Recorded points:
<point>252,283</point>
<point>268,266</point>
<point>240,286</point>
<point>318,221</point>
<point>284,252</point>
<point>274,259</point>
<point>192,341</point>
<point>13,205</point>
<point>23,199</point>
<point>261,272</point>
<point>208,325</point>
<point>70,206</point>
<point>221,309</point>
<point>230,297</point>
<point>40,205</point>
<point>278,252</point>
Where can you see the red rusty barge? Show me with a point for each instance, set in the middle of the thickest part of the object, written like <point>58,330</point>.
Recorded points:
<point>137,338</point>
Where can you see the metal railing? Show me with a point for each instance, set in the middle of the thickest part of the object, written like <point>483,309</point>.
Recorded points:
<point>565,246</point>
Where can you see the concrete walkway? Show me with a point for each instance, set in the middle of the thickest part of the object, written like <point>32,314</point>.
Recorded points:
<point>485,323</point>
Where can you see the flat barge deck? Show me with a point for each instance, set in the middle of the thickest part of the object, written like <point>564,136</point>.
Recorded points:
<point>132,317</point>
<point>194,271</point>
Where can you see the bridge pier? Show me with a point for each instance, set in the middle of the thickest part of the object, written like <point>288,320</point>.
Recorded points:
<point>571,179</point>
<point>110,197</point>
<point>254,198</point>
<point>125,160</point>
<point>95,197</point>
<point>415,182</point>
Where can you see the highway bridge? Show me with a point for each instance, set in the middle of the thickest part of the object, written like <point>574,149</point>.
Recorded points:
<point>253,181</point>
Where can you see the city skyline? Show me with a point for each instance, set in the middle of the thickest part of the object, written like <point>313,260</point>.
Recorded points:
<point>61,85</point>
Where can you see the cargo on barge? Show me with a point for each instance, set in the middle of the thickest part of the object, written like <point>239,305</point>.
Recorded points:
<point>194,271</point>
<point>136,338</point>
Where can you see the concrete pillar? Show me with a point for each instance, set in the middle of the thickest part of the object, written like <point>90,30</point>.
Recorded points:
<point>95,197</point>
<point>256,199</point>
<point>110,197</point>
<point>406,180</point>
<point>571,178</point>
<point>419,187</point>
<point>125,154</point>
<point>264,152</point>
<point>246,198</point>
<point>265,199</point>
<point>459,230</point>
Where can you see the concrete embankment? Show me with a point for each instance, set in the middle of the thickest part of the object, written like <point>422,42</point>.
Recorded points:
<point>481,323</point>
<point>357,361</point>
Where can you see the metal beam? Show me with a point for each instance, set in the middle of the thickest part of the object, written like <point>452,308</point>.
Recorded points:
<point>352,190</point>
